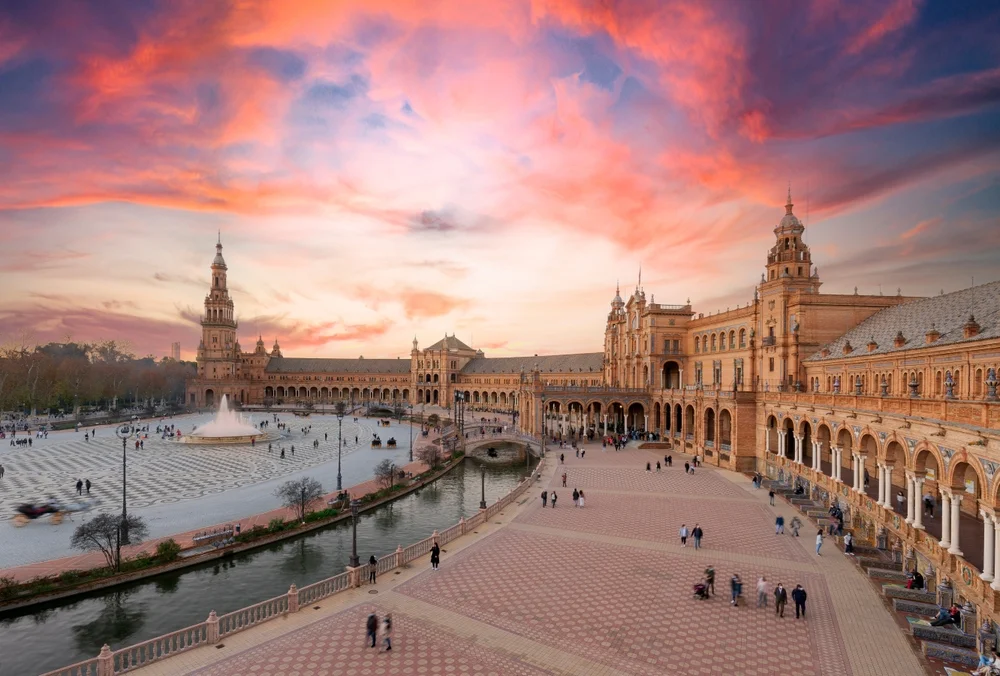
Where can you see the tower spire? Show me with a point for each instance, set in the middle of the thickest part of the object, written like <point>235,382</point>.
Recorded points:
<point>788,204</point>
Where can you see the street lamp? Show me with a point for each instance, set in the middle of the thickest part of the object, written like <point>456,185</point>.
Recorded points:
<point>482,502</point>
<point>355,561</point>
<point>125,431</point>
<point>340,422</point>
<point>411,432</point>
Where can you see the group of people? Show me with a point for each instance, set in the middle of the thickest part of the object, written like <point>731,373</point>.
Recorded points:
<point>81,484</point>
<point>706,588</point>
<point>578,497</point>
<point>695,534</point>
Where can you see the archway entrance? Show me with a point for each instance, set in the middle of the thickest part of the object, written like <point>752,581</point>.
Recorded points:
<point>636,417</point>
<point>209,398</point>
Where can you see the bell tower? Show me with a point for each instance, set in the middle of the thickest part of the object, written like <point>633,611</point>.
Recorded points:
<point>219,351</point>
<point>789,262</point>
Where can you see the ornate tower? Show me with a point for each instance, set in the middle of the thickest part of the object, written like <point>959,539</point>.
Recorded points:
<point>219,351</point>
<point>789,262</point>
<point>614,335</point>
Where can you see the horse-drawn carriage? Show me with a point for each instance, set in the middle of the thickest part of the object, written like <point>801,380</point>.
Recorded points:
<point>391,443</point>
<point>376,443</point>
<point>31,511</point>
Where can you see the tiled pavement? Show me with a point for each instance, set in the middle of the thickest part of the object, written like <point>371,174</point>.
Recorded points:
<point>601,590</point>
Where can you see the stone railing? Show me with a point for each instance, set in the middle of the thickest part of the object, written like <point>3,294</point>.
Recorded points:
<point>971,412</point>
<point>917,544</point>
<point>110,663</point>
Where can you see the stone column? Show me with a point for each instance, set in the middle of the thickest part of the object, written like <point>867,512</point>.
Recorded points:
<point>945,519</point>
<point>645,423</point>
<point>854,471</point>
<point>988,546</point>
<point>909,497</point>
<point>604,417</point>
<point>838,454</point>
<point>995,585</point>
<point>798,448</point>
<point>888,487</point>
<point>881,485</point>
<point>818,456</point>
<point>956,510</point>
<point>918,502</point>
<point>781,443</point>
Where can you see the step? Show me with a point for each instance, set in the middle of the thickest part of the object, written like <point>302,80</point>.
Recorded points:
<point>915,607</point>
<point>887,574</point>
<point>950,653</point>
<point>867,562</point>
<point>949,635</point>
<point>865,550</point>
<point>895,591</point>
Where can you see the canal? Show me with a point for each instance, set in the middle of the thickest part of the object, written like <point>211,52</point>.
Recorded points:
<point>58,634</point>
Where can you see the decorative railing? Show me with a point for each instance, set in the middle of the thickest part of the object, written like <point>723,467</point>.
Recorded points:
<point>111,663</point>
<point>979,413</point>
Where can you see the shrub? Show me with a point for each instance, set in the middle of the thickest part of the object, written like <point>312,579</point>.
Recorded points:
<point>276,525</point>
<point>168,550</point>
<point>70,577</point>
<point>8,587</point>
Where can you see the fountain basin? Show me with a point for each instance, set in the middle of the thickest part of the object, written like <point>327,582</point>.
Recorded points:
<point>196,440</point>
<point>229,427</point>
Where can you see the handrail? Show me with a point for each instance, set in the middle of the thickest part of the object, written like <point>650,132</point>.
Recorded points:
<point>214,628</point>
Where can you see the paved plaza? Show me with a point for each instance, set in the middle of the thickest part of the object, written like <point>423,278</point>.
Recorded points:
<point>178,487</point>
<point>605,589</point>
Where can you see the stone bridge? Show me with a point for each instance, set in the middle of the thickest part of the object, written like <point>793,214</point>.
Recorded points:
<point>509,447</point>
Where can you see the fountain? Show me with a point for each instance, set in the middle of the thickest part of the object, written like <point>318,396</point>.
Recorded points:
<point>229,427</point>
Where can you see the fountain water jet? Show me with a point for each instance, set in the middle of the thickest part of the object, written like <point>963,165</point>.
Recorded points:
<point>229,427</point>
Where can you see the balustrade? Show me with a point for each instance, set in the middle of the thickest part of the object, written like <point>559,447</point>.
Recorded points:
<point>85,668</point>
<point>244,618</point>
<point>324,588</point>
<point>141,654</point>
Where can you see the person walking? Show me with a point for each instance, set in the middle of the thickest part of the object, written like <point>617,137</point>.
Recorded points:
<point>435,555</point>
<point>799,596</point>
<point>576,498</point>
<point>780,599</point>
<point>770,496</point>
<point>848,544</point>
<point>372,568</point>
<point>564,479</point>
<point>79,486</point>
<point>554,497</point>
<point>762,591</point>
<point>779,525</point>
<point>1,471</point>
<point>648,469</point>
<point>687,467</point>
<point>386,631</point>
<point>562,458</point>
<point>795,525</point>
<point>371,628</point>
<point>710,579</point>
<point>545,498</point>
<point>684,535</point>
<point>657,465</point>
<point>736,589</point>
<point>579,503</point>
<point>819,541</point>
<point>86,484</point>
<point>697,534</point>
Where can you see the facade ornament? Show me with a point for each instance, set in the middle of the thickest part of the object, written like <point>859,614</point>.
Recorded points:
<point>857,386</point>
<point>989,467</point>
<point>949,386</point>
<point>836,384</point>
<point>991,384</point>
<point>914,386</point>
<point>884,387</point>
<point>816,385</point>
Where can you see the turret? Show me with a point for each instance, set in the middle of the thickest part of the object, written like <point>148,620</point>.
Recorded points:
<point>789,262</point>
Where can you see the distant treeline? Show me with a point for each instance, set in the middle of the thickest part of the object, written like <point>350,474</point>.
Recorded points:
<point>65,377</point>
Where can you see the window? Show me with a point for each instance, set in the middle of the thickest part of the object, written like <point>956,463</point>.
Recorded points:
<point>743,338</point>
<point>770,365</point>
<point>697,344</point>
<point>713,342</point>
<point>677,346</point>
<point>770,333</point>
<point>800,271</point>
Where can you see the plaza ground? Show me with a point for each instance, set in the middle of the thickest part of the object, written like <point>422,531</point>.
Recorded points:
<point>601,590</point>
<point>178,488</point>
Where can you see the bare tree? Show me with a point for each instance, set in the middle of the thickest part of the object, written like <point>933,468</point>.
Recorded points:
<point>101,534</point>
<point>430,454</point>
<point>385,473</point>
<point>299,494</point>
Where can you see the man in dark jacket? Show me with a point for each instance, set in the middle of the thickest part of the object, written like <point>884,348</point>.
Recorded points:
<point>372,628</point>
<point>799,596</point>
<point>780,599</point>
<point>372,568</point>
<point>545,498</point>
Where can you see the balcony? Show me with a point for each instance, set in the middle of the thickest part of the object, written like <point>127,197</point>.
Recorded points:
<point>767,341</point>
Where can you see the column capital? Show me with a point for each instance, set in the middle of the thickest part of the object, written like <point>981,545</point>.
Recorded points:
<point>956,498</point>
<point>987,514</point>
<point>945,492</point>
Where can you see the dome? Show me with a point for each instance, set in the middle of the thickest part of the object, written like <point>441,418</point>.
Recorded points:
<point>790,222</point>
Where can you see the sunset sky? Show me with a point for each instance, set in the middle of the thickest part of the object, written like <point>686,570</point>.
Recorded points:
<point>388,168</point>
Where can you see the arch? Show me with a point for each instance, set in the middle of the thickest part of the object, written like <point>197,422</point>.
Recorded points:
<point>713,342</point>
<point>689,421</point>
<point>209,398</point>
<point>894,454</point>
<point>966,479</point>
<point>656,416</point>
<point>314,392</point>
<point>493,398</point>
<point>697,344</point>
<point>434,397</point>
<point>709,426</point>
<point>636,417</point>
<point>806,435</point>
<point>743,338</point>
<point>868,444</point>
<point>395,394</point>
<point>678,420</point>
<point>845,439</point>
<point>824,436</point>
<point>725,429</point>
<point>789,428</point>
<point>386,394</point>
<point>269,392</point>
<point>771,442</point>
<point>927,458</point>
<point>732,340</point>
<point>435,378</point>
<point>503,398</point>
<point>406,394</point>
<point>670,375</point>
<point>616,416</point>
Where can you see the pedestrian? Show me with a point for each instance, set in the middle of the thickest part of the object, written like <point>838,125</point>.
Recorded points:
<point>372,569</point>
<point>580,501</point>
<point>868,478</point>
<point>780,599</point>
<point>562,458</point>
<point>929,505</point>
<point>435,555</point>
<point>770,495</point>
<point>687,467</point>
<point>697,533</point>
<point>779,525</point>
<point>576,498</point>
<point>819,540</point>
<point>583,453</point>
<point>648,469</point>
<point>670,461</point>
<point>684,536</point>
<point>371,627</point>
<point>86,484</point>
<point>545,498</point>
<point>564,479</point>
<point>386,631</point>
<point>79,487</point>
<point>762,592</point>
<point>799,596</point>
<point>657,465</point>
<point>848,543</point>
<point>710,579</point>
<point>736,589</point>
<point>282,453</point>
<point>795,525</point>
<point>554,497</point>
<point>900,500</point>
<point>1,471</point>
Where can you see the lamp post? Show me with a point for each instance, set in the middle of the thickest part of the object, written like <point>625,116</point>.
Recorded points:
<point>544,419</point>
<point>340,422</point>
<point>355,562</point>
<point>411,432</point>
<point>482,502</point>
<point>125,431</point>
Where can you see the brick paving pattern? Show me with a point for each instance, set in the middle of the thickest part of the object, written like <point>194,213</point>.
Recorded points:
<point>671,481</point>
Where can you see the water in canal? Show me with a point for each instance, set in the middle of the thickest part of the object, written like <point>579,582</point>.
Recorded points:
<point>65,632</point>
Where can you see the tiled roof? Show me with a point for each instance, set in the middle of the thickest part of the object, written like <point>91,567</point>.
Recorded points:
<point>451,343</point>
<point>947,314</point>
<point>591,362</point>
<point>306,365</point>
